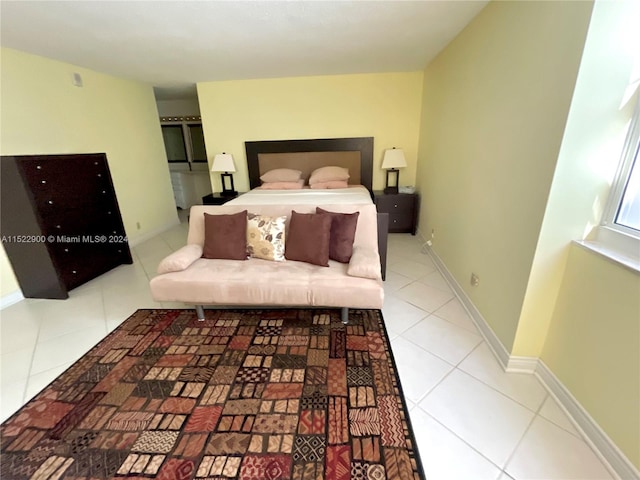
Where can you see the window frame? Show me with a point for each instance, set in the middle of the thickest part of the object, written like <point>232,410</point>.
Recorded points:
<point>617,242</point>
<point>185,123</point>
<point>628,162</point>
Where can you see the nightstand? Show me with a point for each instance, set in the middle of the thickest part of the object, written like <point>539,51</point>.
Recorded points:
<point>217,198</point>
<point>402,209</point>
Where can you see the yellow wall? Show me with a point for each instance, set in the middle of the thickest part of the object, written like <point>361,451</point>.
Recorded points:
<point>495,104</point>
<point>581,311</point>
<point>593,344</point>
<point>517,151</point>
<point>591,148</point>
<point>42,112</point>
<point>385,106</point>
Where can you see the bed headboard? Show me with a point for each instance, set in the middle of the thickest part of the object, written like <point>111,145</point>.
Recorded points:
<point>356,154</point>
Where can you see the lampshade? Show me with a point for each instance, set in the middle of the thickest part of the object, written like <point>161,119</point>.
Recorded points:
<point>393,158</point>
<point>223,162</point>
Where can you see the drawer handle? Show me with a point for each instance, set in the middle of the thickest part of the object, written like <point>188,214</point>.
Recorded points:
<point>396,205</point>
<point>73,271</point>
<point>50,202</point>
<point>58,227</point>
<point>99,174</point>
<point>39,167</point>
<point>66,250</point>
<point>43,181</point>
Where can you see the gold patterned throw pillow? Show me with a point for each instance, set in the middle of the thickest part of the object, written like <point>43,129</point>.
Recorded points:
<point>265,237</point>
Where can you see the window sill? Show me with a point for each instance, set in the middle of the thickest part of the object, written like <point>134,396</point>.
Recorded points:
<point>616,246</point>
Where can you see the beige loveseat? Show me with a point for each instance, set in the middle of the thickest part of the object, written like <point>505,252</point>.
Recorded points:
<point>186,277</point>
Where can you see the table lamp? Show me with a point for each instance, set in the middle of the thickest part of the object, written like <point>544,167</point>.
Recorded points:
<point>393,160</point>
<point>223,162</point>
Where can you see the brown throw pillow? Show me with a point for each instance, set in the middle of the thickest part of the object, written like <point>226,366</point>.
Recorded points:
<point>308,239</point>
<point>225,236</point>
<point>343,232</point>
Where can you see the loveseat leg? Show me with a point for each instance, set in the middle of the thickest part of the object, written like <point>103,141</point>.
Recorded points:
<point>200,312</point>
<point>344,313</point>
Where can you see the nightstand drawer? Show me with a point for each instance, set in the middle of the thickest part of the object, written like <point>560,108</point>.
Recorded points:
<point>395,203</point>
<point>400,222</point>
<point>402,209</point>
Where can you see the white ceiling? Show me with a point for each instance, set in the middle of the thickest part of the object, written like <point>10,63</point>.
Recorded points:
<point>174,44</point>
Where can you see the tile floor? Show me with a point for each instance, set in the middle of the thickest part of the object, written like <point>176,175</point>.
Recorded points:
<point>471,420</point>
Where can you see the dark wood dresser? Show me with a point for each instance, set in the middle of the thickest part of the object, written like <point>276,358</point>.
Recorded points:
<point>59,221</point>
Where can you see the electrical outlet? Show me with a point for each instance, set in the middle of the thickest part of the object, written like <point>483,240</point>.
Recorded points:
<point>475,280</point>
<point>433,233</point>
<point>138,225</point>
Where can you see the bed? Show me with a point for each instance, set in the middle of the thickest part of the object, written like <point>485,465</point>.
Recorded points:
<point>355,153</point>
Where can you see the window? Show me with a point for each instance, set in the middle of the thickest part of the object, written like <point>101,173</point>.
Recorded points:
<point>183,140</point>
<point>174,143</point>
<point>618,235</point>
<point>623,210</point>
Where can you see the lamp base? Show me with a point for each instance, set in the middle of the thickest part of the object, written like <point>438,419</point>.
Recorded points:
<point>389,187</point>
<point>227,191</point>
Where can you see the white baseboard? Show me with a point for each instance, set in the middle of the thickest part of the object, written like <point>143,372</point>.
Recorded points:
<point>10,299</point>
<point>592,433</point>
<point>135,241</point>
<point>608,452</point>
<point>493,341</point>
<point>522,364</point>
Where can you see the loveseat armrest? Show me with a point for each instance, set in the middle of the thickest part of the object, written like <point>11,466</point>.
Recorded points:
<point>365,263</point>
<point>180,259</point>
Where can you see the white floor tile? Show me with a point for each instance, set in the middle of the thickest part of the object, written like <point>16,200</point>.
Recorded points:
<point>424,296</point>
<point>176,237</point>
<point>153,248</point>
<point>394,281</point>
<point>436,280</point>
<point>88,311</point>
<point>66,348</point>
<point>490,422</point>
<point>505,476</point>
<point>19,326</point>
<point>419,370</point>
<point>524,388</point>
<point>121,302</point>
<point>454,312</point>
<point>40,380</point>
<point>547,451</point>
<point>442,338</point>
<point>400,315</point>
<point>124,275</point>
<point>444,455</point>
<point>554,413</point>
<point>14,366</point>
<point>409,268</point>
<point>11,398</point>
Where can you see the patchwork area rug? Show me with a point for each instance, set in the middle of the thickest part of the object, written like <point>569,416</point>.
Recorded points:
<point>248,394</point>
